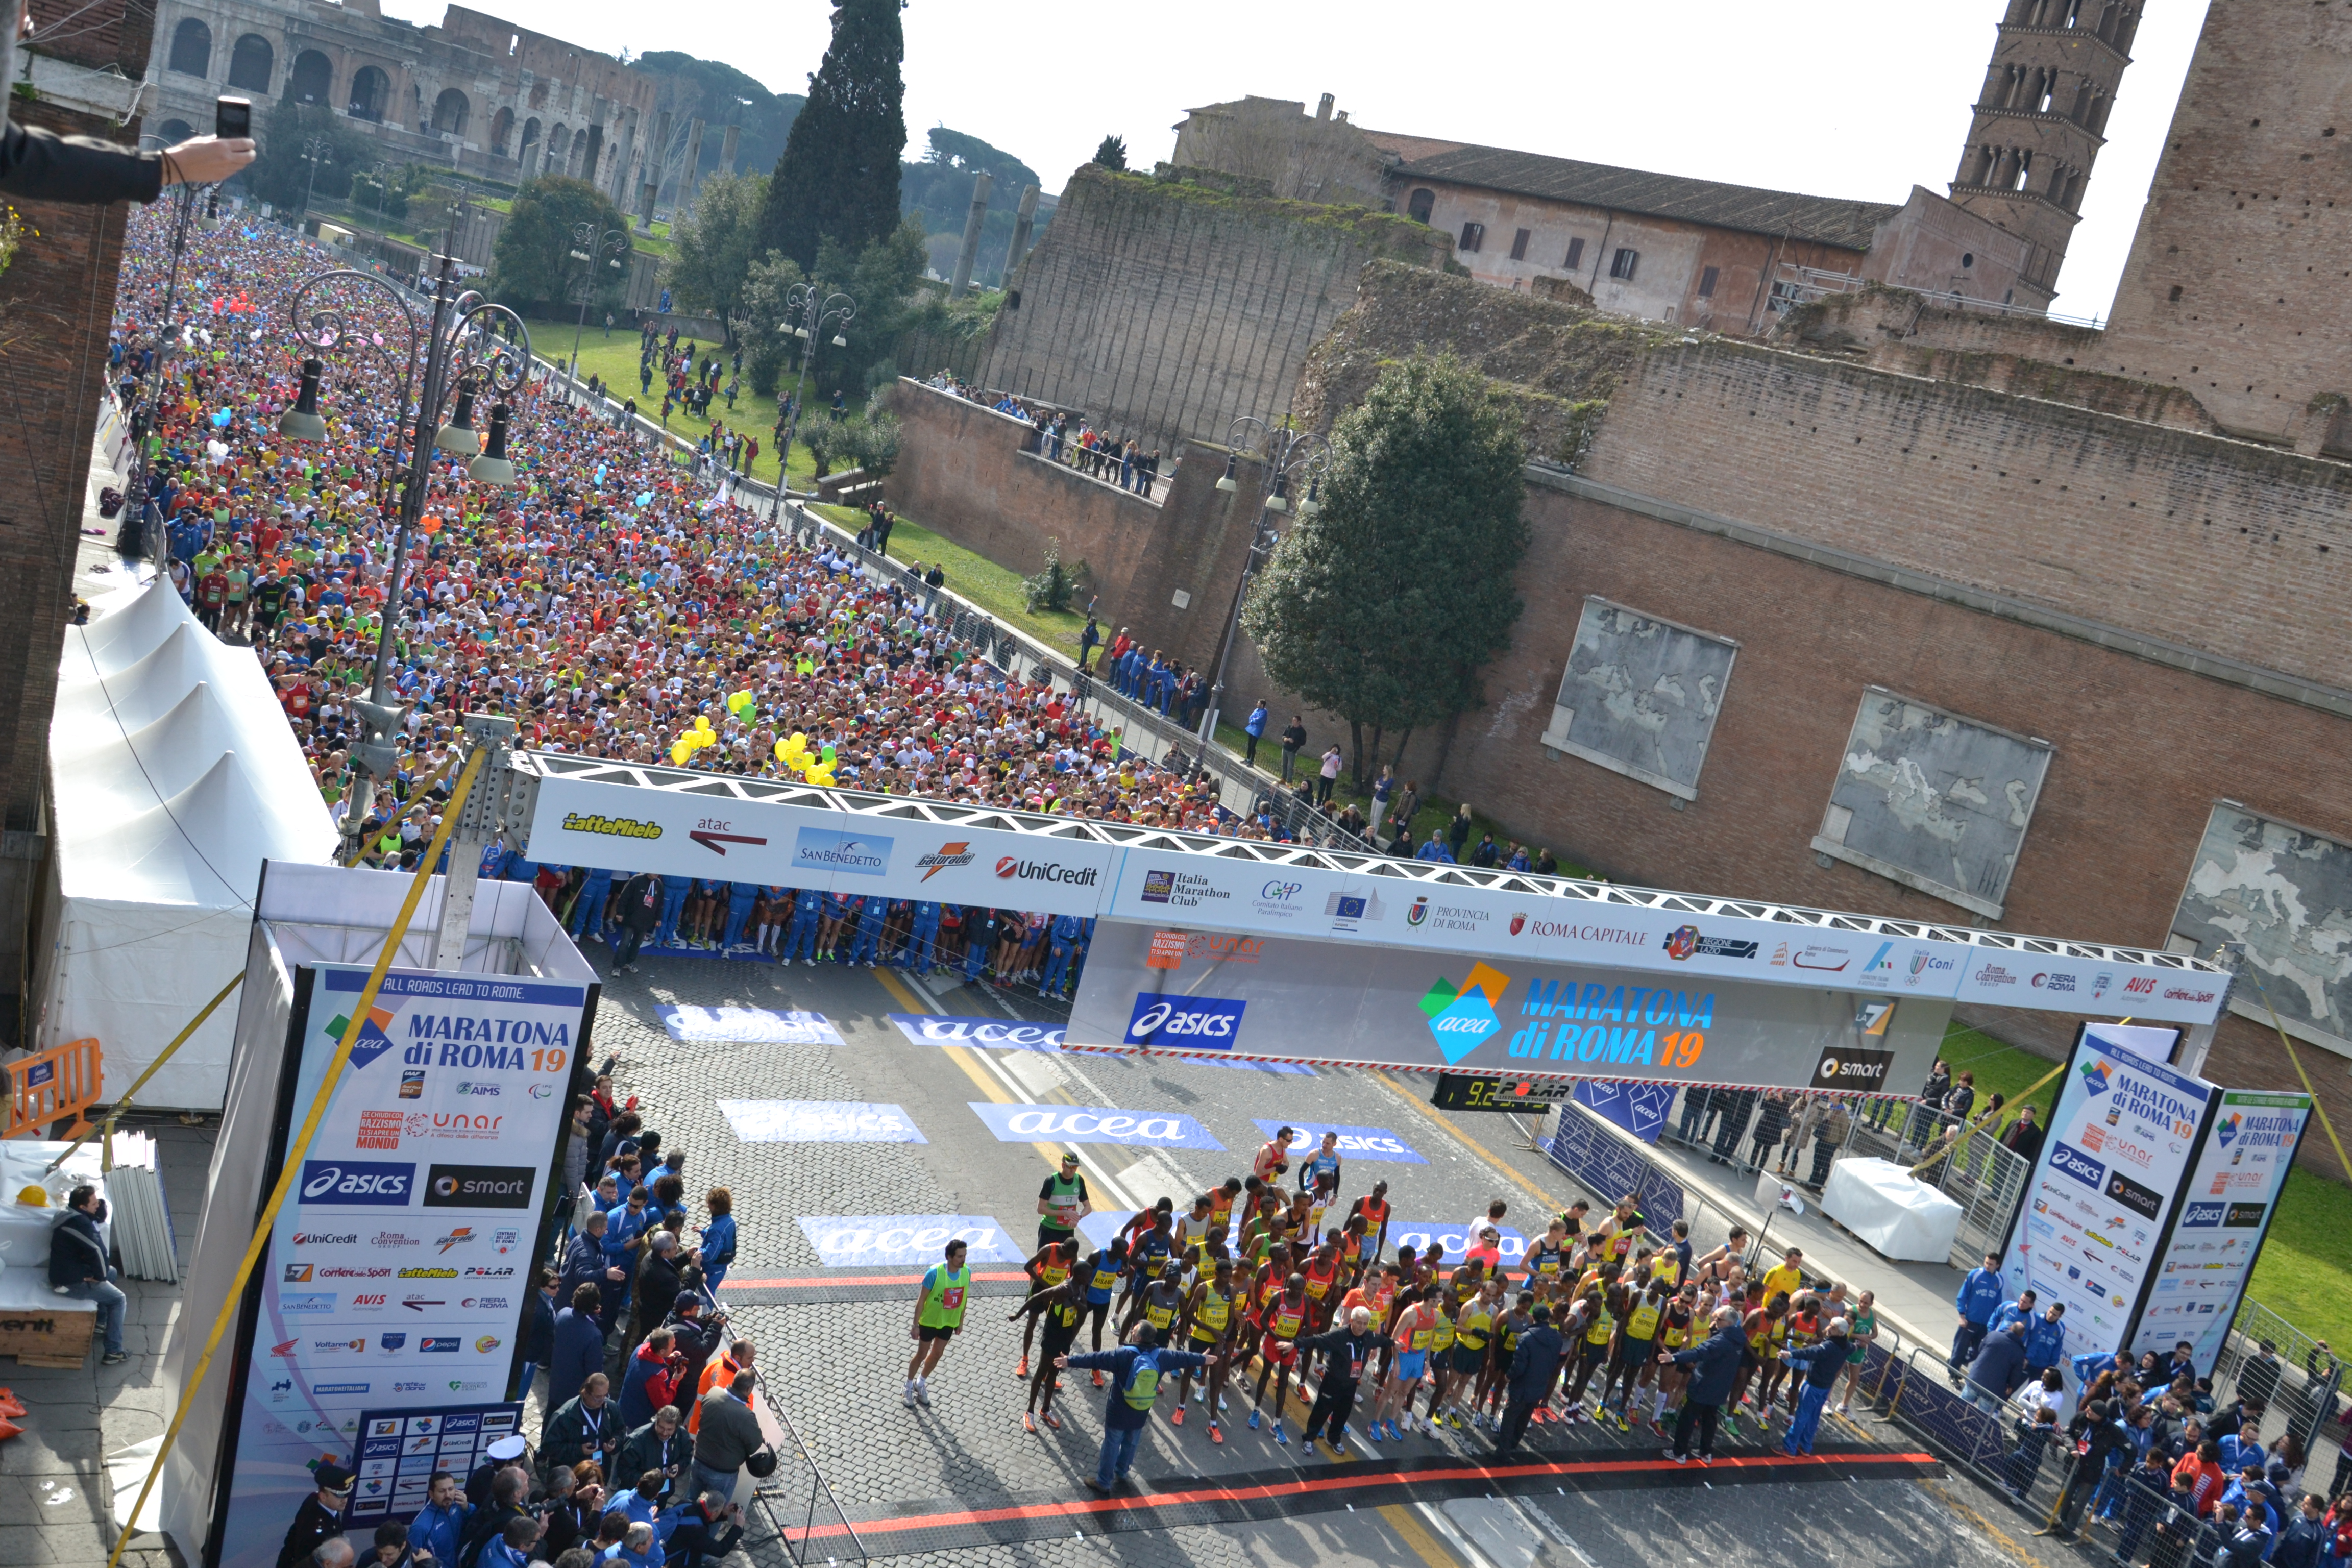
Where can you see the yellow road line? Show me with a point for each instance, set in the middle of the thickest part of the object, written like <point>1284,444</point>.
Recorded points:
<point>1416,1536</point>
<point>904,994</point>
<point>1475,1147</point>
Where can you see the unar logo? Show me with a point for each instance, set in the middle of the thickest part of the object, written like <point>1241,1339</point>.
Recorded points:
<point>1463,1019</point>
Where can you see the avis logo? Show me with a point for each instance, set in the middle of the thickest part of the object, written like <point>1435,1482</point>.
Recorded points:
<point>1464,1019</point>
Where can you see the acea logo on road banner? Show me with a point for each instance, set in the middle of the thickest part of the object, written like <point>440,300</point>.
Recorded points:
<point>1464,1017</point>
<point>1092,1125</point>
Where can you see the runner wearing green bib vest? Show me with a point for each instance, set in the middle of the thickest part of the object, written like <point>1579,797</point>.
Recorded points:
<point>1062,1202</point>
<point>939,1315</point>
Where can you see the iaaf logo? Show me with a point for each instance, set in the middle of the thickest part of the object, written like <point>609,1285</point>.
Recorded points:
<point>960,853</point>
<point>1013,866</point>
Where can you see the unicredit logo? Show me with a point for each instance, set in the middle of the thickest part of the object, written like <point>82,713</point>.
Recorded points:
<point>1013,866</point>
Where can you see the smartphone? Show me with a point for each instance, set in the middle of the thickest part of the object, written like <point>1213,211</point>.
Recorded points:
<point>232,117</point>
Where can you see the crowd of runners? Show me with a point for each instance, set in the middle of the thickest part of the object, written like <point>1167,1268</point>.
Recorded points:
<point>615,602</point>
<point>1264,1280</point>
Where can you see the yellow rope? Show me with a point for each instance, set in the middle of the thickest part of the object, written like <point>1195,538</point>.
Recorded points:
<point>2326,1126</point>
<point>300,1146</point>
<point>177,1041</point>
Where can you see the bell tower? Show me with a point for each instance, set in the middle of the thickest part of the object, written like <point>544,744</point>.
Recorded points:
<point>2040,123</point>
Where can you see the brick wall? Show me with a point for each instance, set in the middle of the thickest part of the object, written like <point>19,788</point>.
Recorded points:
<point>58,298</point>
<point>965,472</point>
<point>2249,222</point>
<point>1165,311</point>
<point>2141,750</point>
<point>2221,546</point>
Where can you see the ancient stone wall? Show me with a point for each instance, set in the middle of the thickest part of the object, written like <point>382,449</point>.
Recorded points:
<point>1165,310</point>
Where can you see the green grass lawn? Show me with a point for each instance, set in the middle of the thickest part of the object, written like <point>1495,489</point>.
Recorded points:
<point>615,358</point>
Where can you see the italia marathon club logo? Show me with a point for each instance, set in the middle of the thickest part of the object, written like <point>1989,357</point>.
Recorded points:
<point>1462,1018</point>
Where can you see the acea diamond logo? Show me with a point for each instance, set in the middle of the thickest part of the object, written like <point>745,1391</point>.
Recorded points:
<point>2095,1074</point>
<point>1463,1019</point>
<point>2228,1128</point>
<point>374,1035</point>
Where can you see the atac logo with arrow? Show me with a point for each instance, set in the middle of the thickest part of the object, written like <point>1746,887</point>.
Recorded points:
<point>714,836</point>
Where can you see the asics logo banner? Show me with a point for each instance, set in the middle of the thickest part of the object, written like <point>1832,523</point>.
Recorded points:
<point>336,1183</point>
<point>1201,1022</point>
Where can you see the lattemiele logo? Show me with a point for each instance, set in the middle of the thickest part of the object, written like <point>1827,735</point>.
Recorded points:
<point>1685,941</point>
<point>429,1274</point>
<point>960,853</point>
<point>1462,1018</point>
<point>1013,866</point>
<point>610,827</point>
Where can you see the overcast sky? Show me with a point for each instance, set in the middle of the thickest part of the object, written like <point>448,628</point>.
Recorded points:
<point>1861,102</point>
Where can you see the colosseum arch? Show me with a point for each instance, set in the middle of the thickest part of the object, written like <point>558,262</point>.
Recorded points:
<point>371,91</point>
<point>449,112</point>
<point>251,64</point>
<point>192,48</point>
<point>312,80</point>
<point>501,130</point>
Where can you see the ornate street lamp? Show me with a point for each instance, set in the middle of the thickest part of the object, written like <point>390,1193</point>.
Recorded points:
<point>1290,455</point>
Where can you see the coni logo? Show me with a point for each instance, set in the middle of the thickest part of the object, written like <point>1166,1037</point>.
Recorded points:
<point>1463,1019</point>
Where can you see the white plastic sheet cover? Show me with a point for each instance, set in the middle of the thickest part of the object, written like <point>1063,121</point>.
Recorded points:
<point>1894,1215</point>
<point>175,776</point>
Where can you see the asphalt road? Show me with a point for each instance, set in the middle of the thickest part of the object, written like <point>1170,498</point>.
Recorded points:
<point>833,1352</point>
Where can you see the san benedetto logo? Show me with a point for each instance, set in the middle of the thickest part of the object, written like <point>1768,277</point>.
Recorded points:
<point>615,826</point>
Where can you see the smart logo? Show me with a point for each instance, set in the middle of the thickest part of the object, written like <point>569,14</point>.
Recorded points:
<point>2079,1165</point>
<point>1462,1019</point>
<point>1197,1023</point>
<point>859,853</point>
<point>349,1183</point>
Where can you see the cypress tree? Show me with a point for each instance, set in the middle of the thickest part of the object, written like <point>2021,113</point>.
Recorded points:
<point>838,177</point>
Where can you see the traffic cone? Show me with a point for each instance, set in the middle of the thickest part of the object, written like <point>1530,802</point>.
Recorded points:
<point>8,1429</point>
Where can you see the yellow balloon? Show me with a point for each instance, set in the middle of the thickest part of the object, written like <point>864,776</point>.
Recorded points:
<point>780,750</point>
<point>680,753</point>
<point>702,722</point>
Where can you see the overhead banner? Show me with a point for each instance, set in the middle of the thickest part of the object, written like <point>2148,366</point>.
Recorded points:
<point>628,827</point>
<point>397,1269</point>
<point>2104,1188</point>
<point>1313,1001</point>
<point>2226,1212</point>
<point>1220,896</point>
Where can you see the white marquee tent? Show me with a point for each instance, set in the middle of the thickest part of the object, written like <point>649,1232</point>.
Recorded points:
<point>175,776</point>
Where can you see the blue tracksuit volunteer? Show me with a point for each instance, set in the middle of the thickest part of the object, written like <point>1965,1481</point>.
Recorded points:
<point>923,943</point>
<point>979,942</point>
<point>800,937</point>
<point>1979,1299</point>
<point>673,905</point>
<point>739,910</point>
<point>516,868</point>
<point>2045,1340</point>
<point>1820,1363</point>
<point>588,915</point>
<point>624,1225</point>
<point>1062,940</point>
<point>872,915</point>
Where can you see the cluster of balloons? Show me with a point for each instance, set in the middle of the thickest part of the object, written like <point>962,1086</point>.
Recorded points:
<point>817,767</point>
<point>693,740</point>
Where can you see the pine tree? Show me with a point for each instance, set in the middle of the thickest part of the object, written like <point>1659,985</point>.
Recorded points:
<point>1111,153</point>
<point>838,177</point>
<point>1384,605</point>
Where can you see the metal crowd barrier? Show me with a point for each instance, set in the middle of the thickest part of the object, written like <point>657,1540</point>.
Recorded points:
<point>798,1503</point>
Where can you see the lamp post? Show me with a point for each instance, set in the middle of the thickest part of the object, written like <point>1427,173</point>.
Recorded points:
<point>155,542</point>
<point>1289,455</point>
<point>814,309</point>
<point>587,245</point>
<point>315,151</point>
<point>381,170</point>
<point>470,348</point>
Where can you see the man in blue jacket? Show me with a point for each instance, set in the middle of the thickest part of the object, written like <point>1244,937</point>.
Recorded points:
<point>1979,1299</point>
<point>2018,1312</point>
<point>1137,1368</point>
<point>1713,1366</point>
<point>2045,1340</point>
<point>1820,1363</point>
<point>578,1347</point>
<point>1255,728</point>
<point>436,1527</point>
<point>1534,1364</point>
<point>1997,1369</point>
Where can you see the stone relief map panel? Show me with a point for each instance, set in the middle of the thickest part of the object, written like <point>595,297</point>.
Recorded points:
<point>2287,893</point>
<point>1933,800</point>
<point>1640,696</point>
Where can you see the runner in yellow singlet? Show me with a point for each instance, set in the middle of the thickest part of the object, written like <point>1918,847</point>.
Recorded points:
<point>1210,1314</point>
